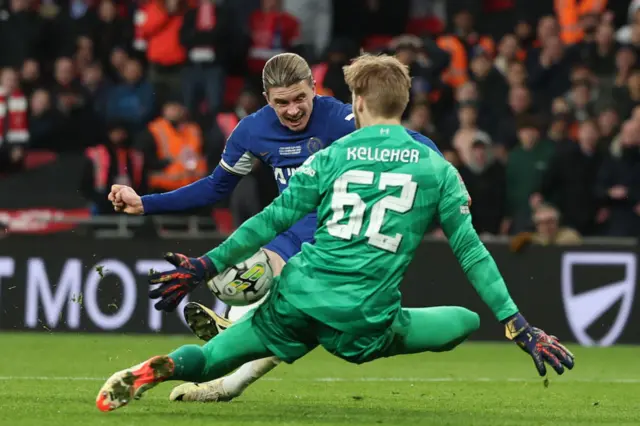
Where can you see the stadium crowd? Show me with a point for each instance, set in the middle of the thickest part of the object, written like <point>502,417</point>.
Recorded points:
<point>536,103</point>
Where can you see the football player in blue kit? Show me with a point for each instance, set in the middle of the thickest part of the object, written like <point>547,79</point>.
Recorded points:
<point>294,125</point>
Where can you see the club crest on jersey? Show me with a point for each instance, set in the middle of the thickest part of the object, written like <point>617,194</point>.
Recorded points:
<point>314,145</point>
<point>290,150</point>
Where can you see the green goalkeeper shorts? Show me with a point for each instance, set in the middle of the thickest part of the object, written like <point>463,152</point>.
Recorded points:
<point>290,333</point>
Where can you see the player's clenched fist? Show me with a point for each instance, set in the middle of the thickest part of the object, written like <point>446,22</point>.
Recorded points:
<point>125,199</point>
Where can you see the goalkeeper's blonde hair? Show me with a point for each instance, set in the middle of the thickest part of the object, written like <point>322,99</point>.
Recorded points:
<point>382,81</point>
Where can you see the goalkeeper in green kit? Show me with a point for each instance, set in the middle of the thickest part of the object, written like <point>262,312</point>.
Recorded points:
<point>376,192</point>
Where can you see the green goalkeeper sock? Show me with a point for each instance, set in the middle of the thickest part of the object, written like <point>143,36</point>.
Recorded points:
<point>436,329</point>
<point>221,355</point>
<point>189,361</point>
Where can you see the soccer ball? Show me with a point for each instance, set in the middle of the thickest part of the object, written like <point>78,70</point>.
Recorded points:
<point>245,283</point>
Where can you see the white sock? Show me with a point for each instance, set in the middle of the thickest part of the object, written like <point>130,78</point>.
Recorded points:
<point>235,383</point>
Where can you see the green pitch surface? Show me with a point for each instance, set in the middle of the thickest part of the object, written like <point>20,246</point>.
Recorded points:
<point>53,379</point>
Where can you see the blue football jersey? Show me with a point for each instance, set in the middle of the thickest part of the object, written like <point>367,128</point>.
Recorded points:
<point>262,136</point>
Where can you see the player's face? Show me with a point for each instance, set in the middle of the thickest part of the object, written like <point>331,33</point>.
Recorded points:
<point>292,104</point>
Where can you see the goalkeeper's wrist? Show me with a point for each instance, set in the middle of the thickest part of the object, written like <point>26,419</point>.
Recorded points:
<point>208,266</point>
<point>514,325</point>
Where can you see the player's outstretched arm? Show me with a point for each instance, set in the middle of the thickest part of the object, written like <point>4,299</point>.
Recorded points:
<point>482,271</point>
<point>204,192</point>
<point>236,162</point>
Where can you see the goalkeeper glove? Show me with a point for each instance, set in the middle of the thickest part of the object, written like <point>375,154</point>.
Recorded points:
<point>189,273</point>
<point>542,347</point>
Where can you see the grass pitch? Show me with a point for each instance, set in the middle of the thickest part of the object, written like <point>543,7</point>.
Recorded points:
<point>53,379</point>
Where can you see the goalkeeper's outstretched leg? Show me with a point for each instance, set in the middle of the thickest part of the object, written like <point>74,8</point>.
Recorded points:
<point>229,387</point>
<point>240,344</point>
<point>206,324</point>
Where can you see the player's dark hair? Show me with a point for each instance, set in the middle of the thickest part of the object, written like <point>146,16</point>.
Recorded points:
<point>285,69</point>
<point>383,82</point>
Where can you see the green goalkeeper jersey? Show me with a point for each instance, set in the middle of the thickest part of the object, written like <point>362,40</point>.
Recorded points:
<point>376,192</point>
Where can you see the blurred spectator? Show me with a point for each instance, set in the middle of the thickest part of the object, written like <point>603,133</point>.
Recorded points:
<point>525,167</point>
<point>570,181</point>
<point>426,61</point>
<point>491,84</point>
<point>420,120</point>
<point>247,104</point>
<point>74,19</point>
<point>546,30</point>
<point>30,76</point>
<point>44,122</point>
<point>507,53</point>
<point>557,132</point>
<point>465,30</point>
<point>467,94</point>
<point>78,122</point>
<point>524,33</point>
<point>97,87</point>
<point>205,33</point>
<point>561,125</point>
<point>109,30</point>
<point>173,149</point>
<point>158,24</point>
<point>83,56</point>
<point>21,35</point>
<point>579,20</point>
<point>516,74</point>
<point>618,186</point>
<point>547,231</point>
<point>485,180</point>
<point>14,127</point>
<point>113,162</point>
<point>549,74</point>
<point>609,126</point>
<point>117,64</point>
<point>329,76</point>
<point>519,104</point>
<point>468,132</point>
<point>628,97</point>
<point>273,31</point>
<point>601,55</point>
<point>626,59</point>
<point>315,18</point>
<point>623,35</point>
<point>67,83</point>
<point>131,101</point>
<point>579,98</point>
<point>406,50</point>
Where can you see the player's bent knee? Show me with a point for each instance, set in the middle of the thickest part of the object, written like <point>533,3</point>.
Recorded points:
<point>470,319</point>
<point>466,323</point>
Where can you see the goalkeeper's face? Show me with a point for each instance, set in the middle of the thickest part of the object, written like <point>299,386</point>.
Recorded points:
<point>293,104</point>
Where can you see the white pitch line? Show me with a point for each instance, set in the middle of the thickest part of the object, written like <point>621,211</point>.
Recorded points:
<point>354,380</point>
